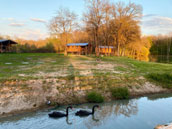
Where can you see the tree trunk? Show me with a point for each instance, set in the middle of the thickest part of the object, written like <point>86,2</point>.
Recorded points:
<point>168,50</point>
<point>118,49</point>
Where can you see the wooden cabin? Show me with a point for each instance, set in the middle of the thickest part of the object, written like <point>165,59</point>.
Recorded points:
<point>5,45</point>
<point>78,48</point>
<point>106,50</point>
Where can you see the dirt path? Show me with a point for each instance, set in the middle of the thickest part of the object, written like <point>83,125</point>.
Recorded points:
<point>88,65</point>
<point>83,66</point>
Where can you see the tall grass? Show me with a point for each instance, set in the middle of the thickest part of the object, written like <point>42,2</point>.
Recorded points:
<point>120,92</point>
<point>94,97</point>
<point>165,79</point>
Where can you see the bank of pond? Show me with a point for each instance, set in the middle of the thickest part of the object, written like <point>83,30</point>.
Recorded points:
<point>138,113</point>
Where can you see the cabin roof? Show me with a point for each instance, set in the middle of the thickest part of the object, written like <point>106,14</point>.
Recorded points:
<point>106,47</point>
<point>7,41</point>
<point>77,44</point>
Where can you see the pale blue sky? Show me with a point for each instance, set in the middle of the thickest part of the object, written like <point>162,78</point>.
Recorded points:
<point>28,18</point>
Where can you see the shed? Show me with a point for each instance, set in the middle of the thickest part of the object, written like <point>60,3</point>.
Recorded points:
<point>5,45</point>
<point>106,50</point>
<point>78,48</point>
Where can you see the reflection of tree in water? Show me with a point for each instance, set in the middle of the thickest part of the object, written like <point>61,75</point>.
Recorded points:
<point>159,96</point>
<point>111,111</point>
<point>93,121</point>
<point>126,108</point>
<point>18,117</point>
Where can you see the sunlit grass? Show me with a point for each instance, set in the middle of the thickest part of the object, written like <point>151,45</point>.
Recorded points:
<point>35,63</point>
<point>164,79</point>
<point>127,71</point>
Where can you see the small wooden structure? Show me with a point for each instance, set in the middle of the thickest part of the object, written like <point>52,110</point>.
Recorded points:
<point>106,50</point>
<point>78,48</point>
<point>5,45</point>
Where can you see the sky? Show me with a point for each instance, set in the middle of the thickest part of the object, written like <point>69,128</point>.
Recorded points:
<point>28,19</point>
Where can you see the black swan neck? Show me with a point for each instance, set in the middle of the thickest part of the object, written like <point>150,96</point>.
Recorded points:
<point>93,110</point>
<point>67,111</point>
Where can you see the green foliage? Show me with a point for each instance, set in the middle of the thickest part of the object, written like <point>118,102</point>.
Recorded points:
<point>71,77</point>
<point>94,97</point>
<point>164,79</point>
<point>44,62</point>
<point>120,93</point>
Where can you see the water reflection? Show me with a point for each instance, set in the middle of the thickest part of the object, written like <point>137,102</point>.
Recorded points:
<point>112,110</point>
<point>141,113</point>
<point>126,108</point>
<point>159,96</point>
<point>67,121</point>
<point>16,118</point>
<point>160,58</point>
<point>94,118</point>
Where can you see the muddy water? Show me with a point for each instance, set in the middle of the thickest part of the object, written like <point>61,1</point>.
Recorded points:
<point>139,113</point>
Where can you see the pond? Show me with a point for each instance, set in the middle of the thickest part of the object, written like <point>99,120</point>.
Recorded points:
<point>160,58</point>
<point>138,113</point>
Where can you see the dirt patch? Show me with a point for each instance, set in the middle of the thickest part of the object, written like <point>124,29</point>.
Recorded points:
<point>58,73</point>
<point>146,88</point>
<point>86,68</point>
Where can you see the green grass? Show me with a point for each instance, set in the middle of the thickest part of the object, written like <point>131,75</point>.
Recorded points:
<point>164,79</point>
<point>129,69</point>
<point>120,92</point>
<point>35,63</point>
<point>94,97</point>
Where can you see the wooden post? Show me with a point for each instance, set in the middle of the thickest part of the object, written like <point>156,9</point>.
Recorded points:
<point>66,51</point>
<point>86,50</point>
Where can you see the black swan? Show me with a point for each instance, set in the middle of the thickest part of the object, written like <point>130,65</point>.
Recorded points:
<point>60,114</point>
<point>86,113</point>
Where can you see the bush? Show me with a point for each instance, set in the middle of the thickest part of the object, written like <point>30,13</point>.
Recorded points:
<point>120,93</point>
<point>164,79</point>
<point>94,97</point>
<point>71,77</point>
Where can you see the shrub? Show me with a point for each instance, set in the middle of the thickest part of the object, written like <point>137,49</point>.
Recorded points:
<point>164,79</point>
<point>94,97</point>
<point>120,93</point>
<point>71,77</point>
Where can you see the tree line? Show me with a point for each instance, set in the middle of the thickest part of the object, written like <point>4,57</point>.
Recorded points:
<point>104,23</point>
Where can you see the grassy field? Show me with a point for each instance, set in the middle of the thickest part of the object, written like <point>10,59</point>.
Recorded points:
<point>112,70</point>
<point>24,66</point>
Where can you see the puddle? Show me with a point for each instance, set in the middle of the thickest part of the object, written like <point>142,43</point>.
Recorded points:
<point>40,62</point>
<point>8,63</point>
<point>25,62</point>
<point>21,75</point>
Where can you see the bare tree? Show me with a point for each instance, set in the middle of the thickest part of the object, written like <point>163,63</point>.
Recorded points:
<point>107,15</point>
<point>63,24</point>
<point>93,18</point>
